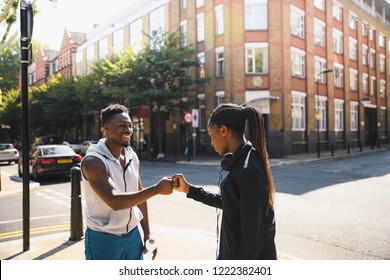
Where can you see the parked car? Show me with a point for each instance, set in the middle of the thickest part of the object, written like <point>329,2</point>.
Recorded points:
<point>8,153</point>
<point>85,145</point>
<point>75,147</point>
<point>46,160</point>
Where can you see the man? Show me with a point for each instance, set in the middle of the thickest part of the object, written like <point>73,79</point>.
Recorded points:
<point>115,199</point>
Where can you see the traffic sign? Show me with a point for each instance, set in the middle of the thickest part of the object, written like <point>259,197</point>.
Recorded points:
<point>188,117</point>
<point>195,118</point>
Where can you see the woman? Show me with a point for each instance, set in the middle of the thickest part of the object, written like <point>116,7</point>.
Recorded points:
<point>247,193</point>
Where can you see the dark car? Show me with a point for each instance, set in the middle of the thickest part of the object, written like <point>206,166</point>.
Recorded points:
<point>45,160</point>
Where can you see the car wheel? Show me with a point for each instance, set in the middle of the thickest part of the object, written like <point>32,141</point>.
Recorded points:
<point>35,175</point>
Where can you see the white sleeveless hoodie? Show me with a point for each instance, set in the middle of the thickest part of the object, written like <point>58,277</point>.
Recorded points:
<point>99,216</point>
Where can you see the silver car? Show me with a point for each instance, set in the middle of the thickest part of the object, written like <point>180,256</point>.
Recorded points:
<point>8,153</point>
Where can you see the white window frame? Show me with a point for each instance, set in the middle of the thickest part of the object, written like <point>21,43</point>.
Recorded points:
<point>200,27</point>
<point>90,57</point>
<point>338,71</point>
<point>319,4</point>
<point>354,115</point>
<point>382,63</point>
<point>337,41</point>
<point>319,66</point>
<point>372,85</point>
<point>220,63</point>
<point>319,32</point>
<point>365,83</point>
<point>364,29</point>
<point>298,111</point>
<point>157,20</point>
<point>338,114</point>
<point>297,22</point>
<point>201,73</point>
<point>135,38</point>
<point>382,40</point>
<point>353,79</point>
<point>372,33</point>
<point>353,49</point>
<point>298,64</point>
<point>183,4</point>
<point>364,54</point>
<point>184,32</point>
<point>352,21</point>
<point>118,41</point>
<point>320,106</point>
<point>199,3</point>
<point>256,14</point>
<point>219,20</point>
<point>372,58</point>
<point>382,88</point>
<point>103,48</point>
<point>221,97</point>
<point>252,51</point>
<point>337,11</point>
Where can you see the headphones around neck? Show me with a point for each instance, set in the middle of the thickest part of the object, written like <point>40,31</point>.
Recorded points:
<point>230,159</point>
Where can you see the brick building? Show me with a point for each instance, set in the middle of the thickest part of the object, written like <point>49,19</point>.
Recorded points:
<point>318,70</point>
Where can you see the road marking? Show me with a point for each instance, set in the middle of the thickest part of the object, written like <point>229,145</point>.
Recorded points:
<point>36,218</point>
<point>19,233</point>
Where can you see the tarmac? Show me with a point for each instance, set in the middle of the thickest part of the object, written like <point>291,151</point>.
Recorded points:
<point>58,246</point>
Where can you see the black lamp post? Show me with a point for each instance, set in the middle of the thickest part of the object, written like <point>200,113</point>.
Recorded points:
<point>318,113</point>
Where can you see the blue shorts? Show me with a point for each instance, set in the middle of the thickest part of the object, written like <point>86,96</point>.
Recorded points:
<point>105,246</point>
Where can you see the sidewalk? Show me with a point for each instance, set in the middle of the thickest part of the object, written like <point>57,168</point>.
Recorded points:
<point>58,247</point>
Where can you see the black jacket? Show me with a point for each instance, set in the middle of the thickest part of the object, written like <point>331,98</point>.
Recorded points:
<point>248,225</point>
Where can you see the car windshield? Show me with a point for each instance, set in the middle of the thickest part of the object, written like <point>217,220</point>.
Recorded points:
<point>56,150</point>
<point>6,146</point>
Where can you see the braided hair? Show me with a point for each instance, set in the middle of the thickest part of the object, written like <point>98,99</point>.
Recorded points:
<point>234,117</point>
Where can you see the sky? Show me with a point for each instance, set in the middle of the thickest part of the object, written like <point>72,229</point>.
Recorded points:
<point>75,15</point>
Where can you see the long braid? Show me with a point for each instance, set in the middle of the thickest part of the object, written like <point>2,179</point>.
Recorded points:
<point>258,139</point>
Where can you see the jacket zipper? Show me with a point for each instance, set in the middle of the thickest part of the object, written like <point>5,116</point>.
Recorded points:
<point>124,180</point>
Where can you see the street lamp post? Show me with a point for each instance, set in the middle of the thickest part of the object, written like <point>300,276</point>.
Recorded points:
<point>318,113</point>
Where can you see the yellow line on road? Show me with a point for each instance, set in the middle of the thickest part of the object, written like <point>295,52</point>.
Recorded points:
<point>19,233</point>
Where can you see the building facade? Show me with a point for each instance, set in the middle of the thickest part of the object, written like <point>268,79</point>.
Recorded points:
<point>318,70</point>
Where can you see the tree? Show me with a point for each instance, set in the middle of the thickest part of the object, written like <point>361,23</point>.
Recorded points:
<point>9,67</point>
<point>10,108</point>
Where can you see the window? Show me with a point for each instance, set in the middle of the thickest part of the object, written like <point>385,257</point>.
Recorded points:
<point>298,110</point>
<point>382,40</point>
<point>319,4</point>
<point>220,96</point>
<point>382,88</point>
<point>79,62</point>
<point>297,63</point>
<point>219,20</point>
<point>338,115</point>
<point>382,63</point>
<point>200,27</point>
<point>352,21</point>
<point>372,85</point>
<point>103,48</point>
<point>256,57</point>
<point>90,58</point>
<point>364,54</point>
<point>337,41</point>
<point>338,75</point>
<point>337,11</point>
<point>183,4</point>
<point>118,41</point>
<point>297,22</point>
<point>220,67</point>
<point>353,79</point>
<point>321,107</point>
<point>199,3</point>
<point>372,58</point>
<point>319,66</point>
<point>183,32</point>
<point>354,115</point>
<point>364,29</point>
<point>201,73</point>
<point>319,32</point>
<point>352,49</point>
<point>383,119</point>
<point>365,83</point>
<point>157,19</point>
<point>256,15</point>
<point>202,112</point>
<point>372,34</point>
<point>136,35</point>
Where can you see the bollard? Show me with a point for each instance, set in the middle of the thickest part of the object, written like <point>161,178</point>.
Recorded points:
<point>331,149</point>
<point>76,218</point>
<point>348,148</point>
